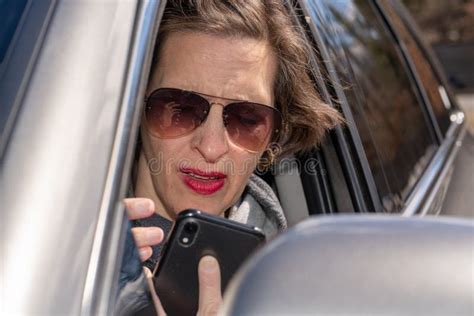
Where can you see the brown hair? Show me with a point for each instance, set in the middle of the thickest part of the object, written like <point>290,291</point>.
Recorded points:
<point>305,116</point>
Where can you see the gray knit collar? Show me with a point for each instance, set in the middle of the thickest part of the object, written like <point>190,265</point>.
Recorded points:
<point>259,207</point>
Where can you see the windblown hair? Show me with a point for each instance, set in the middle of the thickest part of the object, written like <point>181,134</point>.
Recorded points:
<point>306,117</point>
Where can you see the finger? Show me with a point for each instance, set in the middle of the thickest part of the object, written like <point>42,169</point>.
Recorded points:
<point>145,253</point>
<point>210,297</point>
<point>154,296</point>
<point>147,236</point>
<point>139,207</point>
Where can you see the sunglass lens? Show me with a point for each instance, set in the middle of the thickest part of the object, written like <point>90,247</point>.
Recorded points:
<point>173,113</point>
<point>249,125</point>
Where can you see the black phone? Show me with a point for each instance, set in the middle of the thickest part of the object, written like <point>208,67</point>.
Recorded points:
<point>196,234</point>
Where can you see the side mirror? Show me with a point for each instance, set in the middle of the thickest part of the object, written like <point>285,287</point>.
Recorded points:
<point>365,265</point>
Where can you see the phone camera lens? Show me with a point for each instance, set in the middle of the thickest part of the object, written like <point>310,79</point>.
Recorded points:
<point>188,234</point>
<point>191,228</point>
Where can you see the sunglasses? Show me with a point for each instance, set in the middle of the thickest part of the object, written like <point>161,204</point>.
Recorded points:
<point>172,113</point>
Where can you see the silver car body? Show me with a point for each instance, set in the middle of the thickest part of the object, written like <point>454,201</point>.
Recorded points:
<point>64,161</point>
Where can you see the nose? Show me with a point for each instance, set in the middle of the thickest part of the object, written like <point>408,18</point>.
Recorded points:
<point>210,138</point>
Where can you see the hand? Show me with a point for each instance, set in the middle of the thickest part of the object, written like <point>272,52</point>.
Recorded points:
<point>210,298</point>
<point>145,237</point>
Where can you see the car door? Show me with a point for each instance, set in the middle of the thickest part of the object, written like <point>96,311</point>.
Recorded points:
<point>397,124</point>
<point>72,81</point>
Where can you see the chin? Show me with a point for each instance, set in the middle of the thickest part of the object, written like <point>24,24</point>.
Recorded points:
<point>204,208</point>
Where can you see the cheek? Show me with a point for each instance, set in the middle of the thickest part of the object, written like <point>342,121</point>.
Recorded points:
<point>148,143</point>
<point>243,165</point>
<point>162,155</point>
<point>158,148</point>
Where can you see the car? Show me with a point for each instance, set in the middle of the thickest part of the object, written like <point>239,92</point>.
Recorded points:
<point>72,82</point>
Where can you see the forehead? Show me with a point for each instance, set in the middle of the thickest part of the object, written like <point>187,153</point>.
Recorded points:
<point>230,67</point>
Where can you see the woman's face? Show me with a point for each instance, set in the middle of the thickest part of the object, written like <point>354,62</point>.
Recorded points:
<point>181,172</point>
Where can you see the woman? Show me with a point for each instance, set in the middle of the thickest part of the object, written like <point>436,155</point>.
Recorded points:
<point>229,81</point>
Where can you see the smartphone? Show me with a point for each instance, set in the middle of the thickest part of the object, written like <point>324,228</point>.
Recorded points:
<point>196,234</point>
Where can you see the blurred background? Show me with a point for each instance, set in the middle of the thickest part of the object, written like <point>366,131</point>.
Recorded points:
<point>449,27</point>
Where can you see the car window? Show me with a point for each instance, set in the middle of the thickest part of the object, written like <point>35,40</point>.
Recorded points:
<point>22,23</point>
<point>395,129</point>
<point>10,18</point>
<point>432,86</point>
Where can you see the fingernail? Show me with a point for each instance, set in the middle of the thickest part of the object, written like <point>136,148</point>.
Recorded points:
<point>154,233</point>
<point>141,206</point>
<point>147,272</point>
<point>209,264</point>
<point>143,253</point>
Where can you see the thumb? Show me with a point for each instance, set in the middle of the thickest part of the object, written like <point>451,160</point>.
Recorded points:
<point>210,296</point>
<point>156,300</point>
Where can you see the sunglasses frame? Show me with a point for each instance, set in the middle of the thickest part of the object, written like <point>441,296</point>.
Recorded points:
<point>278,123</point>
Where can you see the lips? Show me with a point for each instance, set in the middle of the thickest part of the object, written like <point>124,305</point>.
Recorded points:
<point>201,182</point>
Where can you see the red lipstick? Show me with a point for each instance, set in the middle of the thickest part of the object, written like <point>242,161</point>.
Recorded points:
<point>202,182</point>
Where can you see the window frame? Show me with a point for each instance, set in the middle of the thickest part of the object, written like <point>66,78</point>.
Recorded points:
<point>101,288</point>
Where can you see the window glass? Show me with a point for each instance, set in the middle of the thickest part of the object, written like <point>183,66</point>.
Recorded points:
<point>10,15</point>
<point>386,107</point>
<point>21,25</point>
<point>431,83</point>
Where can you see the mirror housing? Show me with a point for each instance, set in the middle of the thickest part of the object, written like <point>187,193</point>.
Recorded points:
<point>366,265</point>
